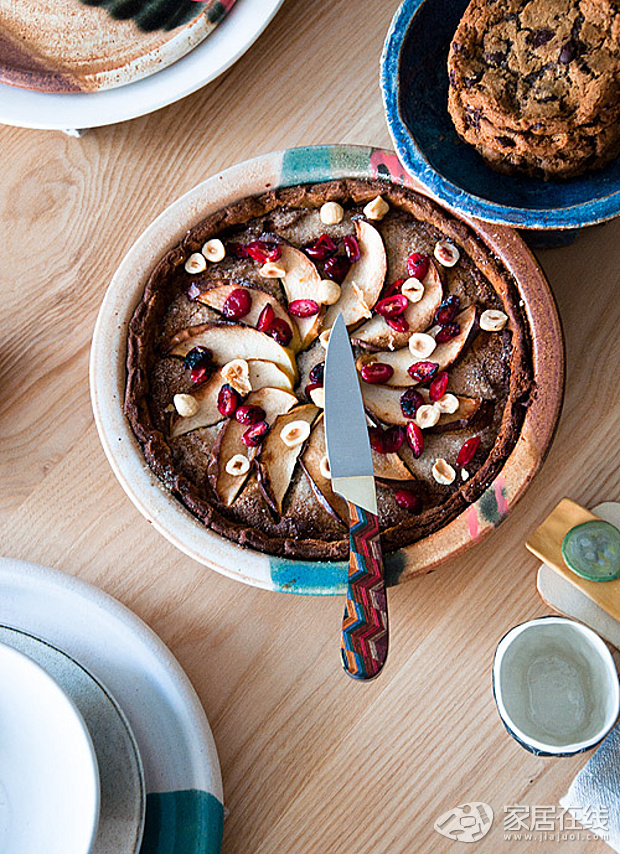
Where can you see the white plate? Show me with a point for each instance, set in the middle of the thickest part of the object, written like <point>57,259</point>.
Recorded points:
<point>121,816</point>
<point>242,26</point>
<point>184,811</point>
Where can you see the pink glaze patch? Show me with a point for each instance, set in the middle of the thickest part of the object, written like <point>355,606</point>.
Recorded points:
<point>472,522</point>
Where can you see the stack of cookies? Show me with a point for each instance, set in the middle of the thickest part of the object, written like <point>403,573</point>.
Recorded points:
<point>535,84</point>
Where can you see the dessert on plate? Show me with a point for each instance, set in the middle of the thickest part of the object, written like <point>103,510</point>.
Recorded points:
<point>535,84</point>
<point>226,355</point>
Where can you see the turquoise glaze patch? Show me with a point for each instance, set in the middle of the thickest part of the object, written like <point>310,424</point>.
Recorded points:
<point>327,578</point>
<point>184,822</point>
<point>322,163</point>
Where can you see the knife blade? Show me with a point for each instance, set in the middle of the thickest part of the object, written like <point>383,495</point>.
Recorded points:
<point>364,638</point>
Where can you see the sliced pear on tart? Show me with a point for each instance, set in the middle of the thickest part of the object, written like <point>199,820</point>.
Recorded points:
<point>312,462</point>
<point>228,341</point>
<point>390,467</point>
<point>279,453</point>
<point>383,403</point>
<point>377,334</point>
<point>261,374</point>
<point>215,298</point>
<point>363,284</point>
<point>301,282</point>
<point>229,444</point>
<point>443,355</point>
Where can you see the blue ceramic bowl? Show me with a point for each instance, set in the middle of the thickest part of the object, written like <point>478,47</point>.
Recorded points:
<point>414,81</point>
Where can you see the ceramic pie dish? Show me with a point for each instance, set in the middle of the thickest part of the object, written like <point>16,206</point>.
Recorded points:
<point>288,169</point>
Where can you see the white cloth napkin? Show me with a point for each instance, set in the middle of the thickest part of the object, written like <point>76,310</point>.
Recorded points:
<point>594,795</point>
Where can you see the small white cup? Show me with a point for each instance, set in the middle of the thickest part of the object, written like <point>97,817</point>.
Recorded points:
<point>556,686</point>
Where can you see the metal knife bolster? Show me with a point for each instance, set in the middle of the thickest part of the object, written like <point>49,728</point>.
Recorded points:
<point>357,490</point>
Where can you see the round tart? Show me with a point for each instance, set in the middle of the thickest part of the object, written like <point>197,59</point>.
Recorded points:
<point>226,351</point>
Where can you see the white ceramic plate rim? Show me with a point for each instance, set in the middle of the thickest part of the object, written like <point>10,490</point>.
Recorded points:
<point>90,790</point>
<point>606,657</point>
<point>222,48</point>
<point>158,692</point>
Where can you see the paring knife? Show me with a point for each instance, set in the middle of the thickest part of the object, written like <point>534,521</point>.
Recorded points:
<point>364,642</point>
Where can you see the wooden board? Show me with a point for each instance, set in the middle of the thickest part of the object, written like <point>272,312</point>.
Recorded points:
<point>308,757</point>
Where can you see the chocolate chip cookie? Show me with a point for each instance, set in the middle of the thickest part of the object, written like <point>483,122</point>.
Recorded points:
<point>535,84</point>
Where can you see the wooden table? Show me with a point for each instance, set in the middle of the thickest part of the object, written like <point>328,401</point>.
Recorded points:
<point>311,761</point>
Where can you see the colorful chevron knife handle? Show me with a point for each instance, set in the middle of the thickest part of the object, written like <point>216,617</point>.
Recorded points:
<point>364,643</point>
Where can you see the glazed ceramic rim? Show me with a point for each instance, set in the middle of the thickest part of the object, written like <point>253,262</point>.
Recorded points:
<point>78,725</point>
<point>230,40</point>
<point>122,652</point>
<point>597,643</point>
<point>170,517</point>
<point>445,191</point>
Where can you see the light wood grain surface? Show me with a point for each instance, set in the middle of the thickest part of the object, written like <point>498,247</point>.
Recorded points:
<point>311,761</point>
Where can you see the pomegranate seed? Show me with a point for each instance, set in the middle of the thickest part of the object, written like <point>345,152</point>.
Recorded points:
<point>199,375</point>
<point>262,251</point>
<point>423,372</point>
<point>249,414</point>
<point>417,265</point>
<point>310,387</point>
<point>408,500</point>
<point>266,318</point>
<point>238,250</point>
<point>392,306</point>
<point>322,248</point>
<point>468,451</point>
<point>194,291</point>
<point>237,305</point>
<point>377,439</point>
<point>394,288</point>
<point>393,438</point>
<point>415,438</point>
<point>447,332</point>
<point>318,373</point>
<point>398,323</point>
<point>336,268</point>
<point>351,248</point>
<point>228,401</point>
<point>280,331</point>
<point>446,312</point>
<point>410,401</point>
<point>255,434</point>
<point>376,373</point>
<point>303,307</point>
<point>197,357</point>
<point>438,386</point>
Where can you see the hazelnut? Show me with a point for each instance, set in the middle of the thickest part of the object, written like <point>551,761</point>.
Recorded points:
<point>443,472</point>
<point>237,374</point>
<point>446,253</point>
<point>426,416</point>
<point>413,289</point>
<point>324,338</point>
<point>295,433</point>
<point>331,213</point>
<point>185,405</point>
<point>464,474</point>
<point>421,345</point>
<point>317,396</point>
<point>328,292</point>
<point>196,263</point>
<point>272,270</point>
<point>493,320</point>
<point>214,250</point>
<point>361,298</point>
<point>376,209</point>
<point>325,469</point>
<point>237,465</point>
<point>447,403</point>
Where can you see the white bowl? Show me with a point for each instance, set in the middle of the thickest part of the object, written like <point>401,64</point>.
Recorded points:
<point>556,686</point>
<point>49,780</point>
